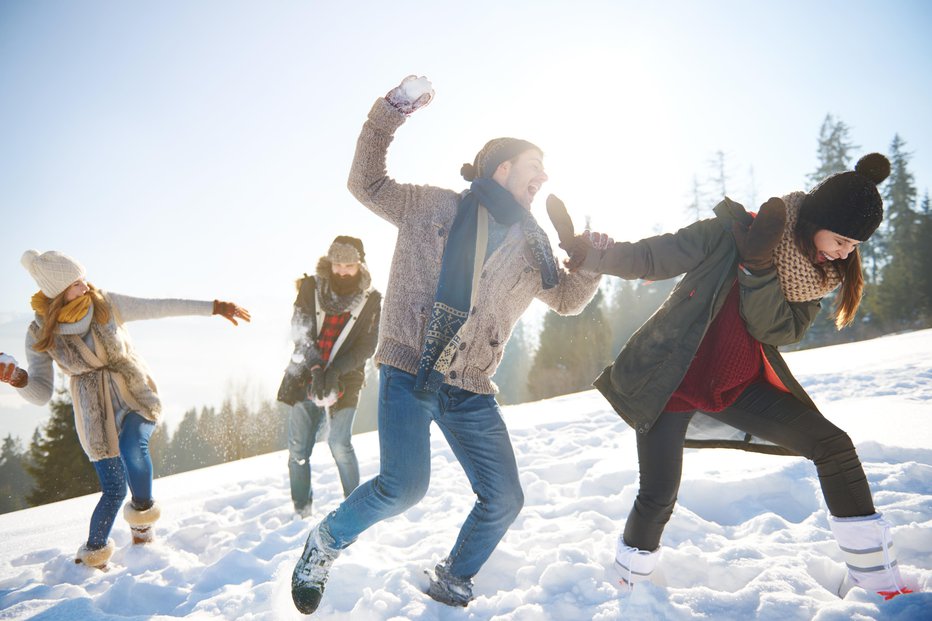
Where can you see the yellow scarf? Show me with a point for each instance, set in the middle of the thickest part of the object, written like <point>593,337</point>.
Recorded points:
<point>73,311</point>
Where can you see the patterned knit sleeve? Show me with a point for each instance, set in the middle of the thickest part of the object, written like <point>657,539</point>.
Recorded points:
<point>133,309</point>
<point>41,374</point>
<point>574,292</point>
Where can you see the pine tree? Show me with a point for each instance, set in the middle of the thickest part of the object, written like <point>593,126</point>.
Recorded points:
<point>514,369</point>
<point>923,293</point>
<point>185,449</point>
<point>895,296</point>
<point>159,450</point>
<point>572,352</point>
<point>57,463</point>
<point>834,152</point>
<point>15,482</point>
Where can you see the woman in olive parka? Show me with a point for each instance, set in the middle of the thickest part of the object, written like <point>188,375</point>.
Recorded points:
<point>707,360</point>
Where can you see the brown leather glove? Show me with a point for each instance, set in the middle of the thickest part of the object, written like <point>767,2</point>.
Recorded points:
<point>231,311</point>
<point>757,242</point>
<point>12,374</point>
<point>576,246</point>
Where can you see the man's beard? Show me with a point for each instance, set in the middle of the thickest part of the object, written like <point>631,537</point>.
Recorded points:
<point>345,285</point>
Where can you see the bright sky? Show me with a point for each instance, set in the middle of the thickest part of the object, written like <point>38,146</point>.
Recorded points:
<point>201,149</point>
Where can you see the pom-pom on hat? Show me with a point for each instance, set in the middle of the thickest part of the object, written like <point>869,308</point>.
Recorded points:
<point>346,249</point>
<point>848,203</point>
<point>495,152</point>
<point>53,271</point>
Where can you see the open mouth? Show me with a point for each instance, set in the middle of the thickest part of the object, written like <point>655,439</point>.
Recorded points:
<point>533,189</point>
<point>824,257</point>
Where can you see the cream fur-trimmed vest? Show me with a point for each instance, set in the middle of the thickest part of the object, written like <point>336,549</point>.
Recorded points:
<point>113,363</point>
<point>800,280</point>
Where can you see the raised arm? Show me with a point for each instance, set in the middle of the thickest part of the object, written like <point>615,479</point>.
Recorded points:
<point>368,180</point>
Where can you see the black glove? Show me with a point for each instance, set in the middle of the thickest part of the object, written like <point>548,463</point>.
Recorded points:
<point>757,242</point>
<point>316,386</point>
<point>331,384</point>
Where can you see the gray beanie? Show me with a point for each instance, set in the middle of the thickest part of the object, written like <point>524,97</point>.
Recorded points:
<point>53,271</point>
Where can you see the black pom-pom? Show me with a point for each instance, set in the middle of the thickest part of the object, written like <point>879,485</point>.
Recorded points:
<point>874,166</point>
<point>468,171</point>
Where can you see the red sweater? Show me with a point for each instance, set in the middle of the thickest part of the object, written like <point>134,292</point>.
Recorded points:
<point>729,359</point>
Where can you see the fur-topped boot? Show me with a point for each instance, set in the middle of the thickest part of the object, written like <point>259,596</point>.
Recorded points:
<point>141,520</point>
<point>96,557</point>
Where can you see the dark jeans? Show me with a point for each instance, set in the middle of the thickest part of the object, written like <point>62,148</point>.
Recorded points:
<point>133,466</point>
<point>764,412</point>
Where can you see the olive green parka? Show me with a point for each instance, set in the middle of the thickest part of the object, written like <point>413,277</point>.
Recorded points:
<point>655,359</point>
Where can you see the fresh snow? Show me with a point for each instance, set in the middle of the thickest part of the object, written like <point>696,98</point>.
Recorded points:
<point>748,540</point>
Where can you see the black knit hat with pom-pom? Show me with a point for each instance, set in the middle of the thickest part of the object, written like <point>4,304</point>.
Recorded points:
<point>848,203</point>
<point>495,152</point>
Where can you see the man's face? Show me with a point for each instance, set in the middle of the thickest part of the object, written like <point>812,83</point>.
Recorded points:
<point>344,269</point>
<point>523,177</point>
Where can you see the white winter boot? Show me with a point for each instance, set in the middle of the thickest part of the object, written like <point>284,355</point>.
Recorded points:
<point>867,545</point>
<point>633,565</point>
<point>141,521</point>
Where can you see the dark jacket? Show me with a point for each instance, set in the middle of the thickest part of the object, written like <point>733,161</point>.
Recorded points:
<point>655,359</point>
<point>350,359</point>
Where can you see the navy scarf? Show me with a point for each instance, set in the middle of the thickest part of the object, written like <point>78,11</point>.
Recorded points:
<point>454,289</point>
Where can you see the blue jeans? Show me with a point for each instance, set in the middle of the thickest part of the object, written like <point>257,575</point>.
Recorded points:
<point>133,466</point>
<point>304,422</point>
<point>474,428</point>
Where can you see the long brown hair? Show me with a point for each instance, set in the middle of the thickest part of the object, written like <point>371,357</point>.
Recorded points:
<point>50,320</point>
<point>849,270</point>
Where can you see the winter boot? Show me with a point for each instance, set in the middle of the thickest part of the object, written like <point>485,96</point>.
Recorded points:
<point>305,511</point>
<point>633,565</point>
<point>141,519</point>
<point>448,589</point>
<point>313,568</point>
<point>95,557</point>
<point>867,545</point>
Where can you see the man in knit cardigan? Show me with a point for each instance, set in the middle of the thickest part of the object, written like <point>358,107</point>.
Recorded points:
<point>466,266</point>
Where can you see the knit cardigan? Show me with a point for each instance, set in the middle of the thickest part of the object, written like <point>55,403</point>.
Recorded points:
<point>509,280</point>
<point>110,365</point>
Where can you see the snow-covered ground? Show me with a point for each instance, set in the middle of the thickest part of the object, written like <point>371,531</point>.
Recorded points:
<point>748,540</point>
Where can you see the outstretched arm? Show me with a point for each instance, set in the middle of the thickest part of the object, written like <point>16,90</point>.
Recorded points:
<point>128,308</point>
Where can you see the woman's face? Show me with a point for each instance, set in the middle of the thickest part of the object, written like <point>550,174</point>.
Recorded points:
<point>75,290</point>
<point>832,246</point>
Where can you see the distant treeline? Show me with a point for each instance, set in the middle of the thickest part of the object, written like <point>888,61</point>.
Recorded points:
<point>543,359</point>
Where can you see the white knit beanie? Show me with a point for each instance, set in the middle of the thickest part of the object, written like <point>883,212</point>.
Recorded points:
<point>53,271</point>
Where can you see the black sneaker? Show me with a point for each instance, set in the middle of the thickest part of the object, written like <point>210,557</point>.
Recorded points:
<point>447,588</point>
<point>311,573</point>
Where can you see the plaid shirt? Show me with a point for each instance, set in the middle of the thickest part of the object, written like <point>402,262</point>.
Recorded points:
<point>330,332</point>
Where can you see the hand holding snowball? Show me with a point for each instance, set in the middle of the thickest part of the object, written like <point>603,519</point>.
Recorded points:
<point>414,92</point>
<point>10,373</point>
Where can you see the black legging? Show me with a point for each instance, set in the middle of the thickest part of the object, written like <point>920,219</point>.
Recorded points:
<point>764,412</point>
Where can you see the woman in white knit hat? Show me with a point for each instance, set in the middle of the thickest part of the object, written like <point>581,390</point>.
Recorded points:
<point>116,403</point>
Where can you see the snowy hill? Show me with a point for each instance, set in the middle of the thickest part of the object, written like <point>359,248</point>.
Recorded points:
<point>748,540</point>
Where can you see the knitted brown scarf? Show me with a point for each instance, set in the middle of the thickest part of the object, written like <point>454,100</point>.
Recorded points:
<point>800,280</point>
